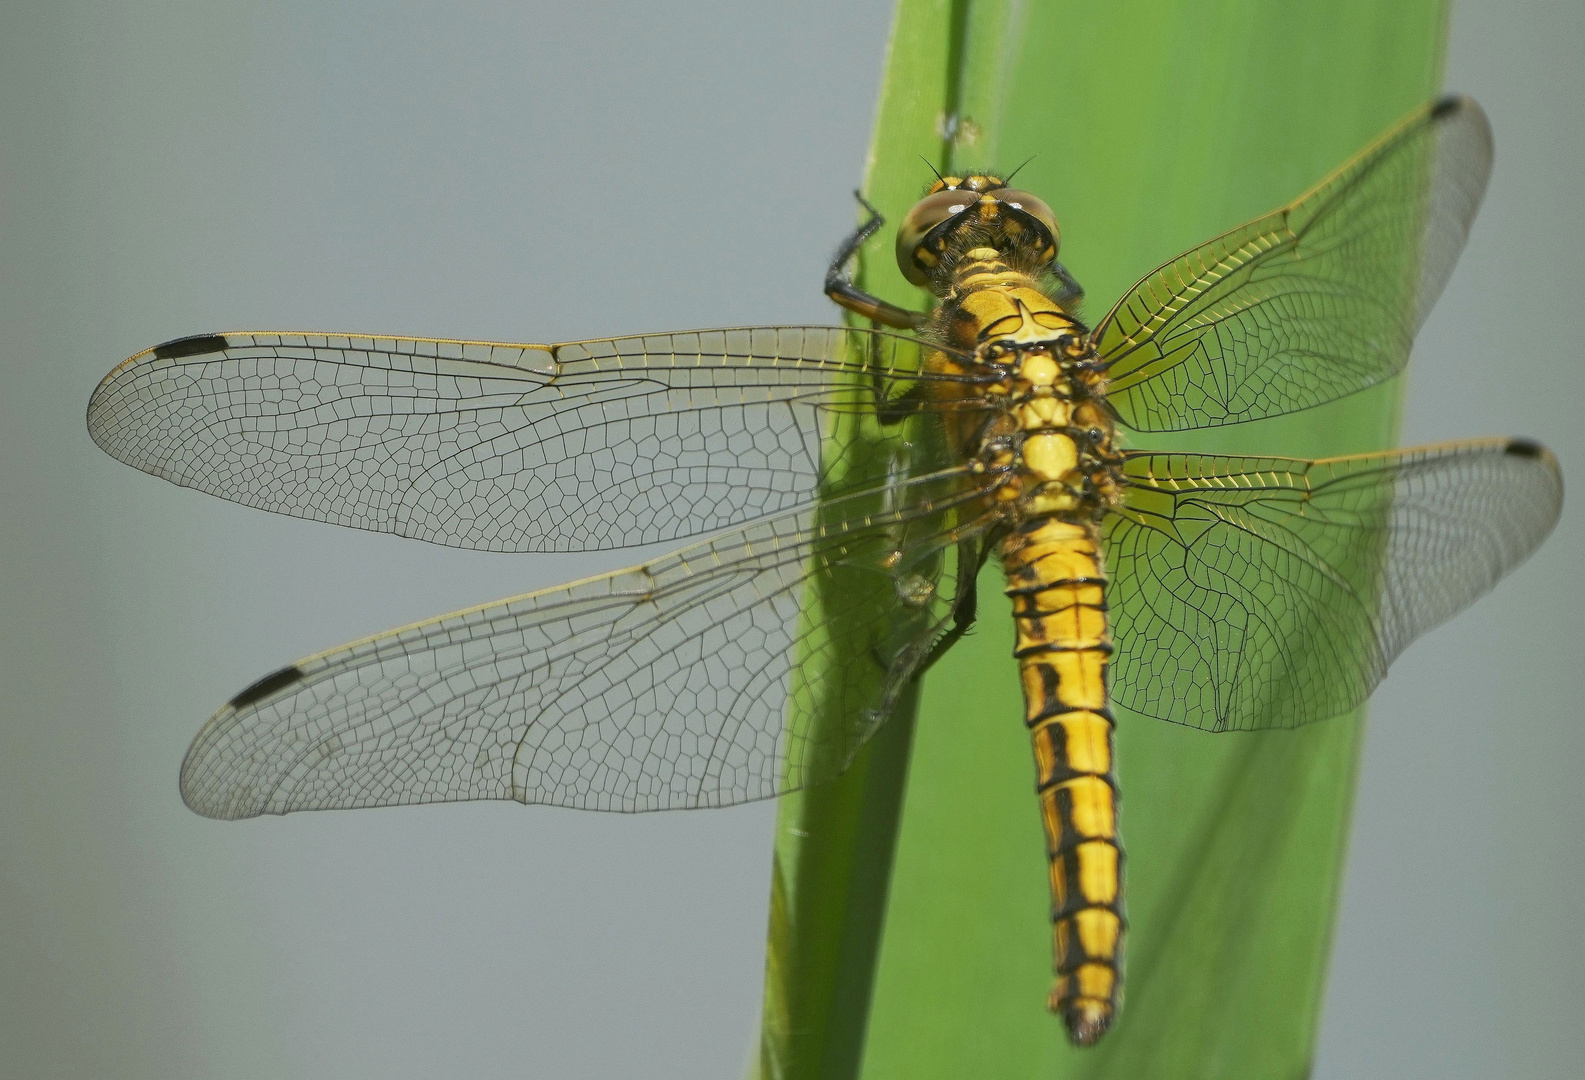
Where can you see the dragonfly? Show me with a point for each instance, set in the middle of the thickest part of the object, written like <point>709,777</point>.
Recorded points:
<point>840,488</point>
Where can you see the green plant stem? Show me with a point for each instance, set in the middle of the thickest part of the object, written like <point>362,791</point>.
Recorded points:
<point>1154,124</point>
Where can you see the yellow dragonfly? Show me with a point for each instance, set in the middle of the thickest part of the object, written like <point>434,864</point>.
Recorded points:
<point>848,484</point>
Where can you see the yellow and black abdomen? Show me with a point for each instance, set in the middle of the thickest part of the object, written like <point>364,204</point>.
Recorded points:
<point>1059,484</point>
<point>1057,583</point>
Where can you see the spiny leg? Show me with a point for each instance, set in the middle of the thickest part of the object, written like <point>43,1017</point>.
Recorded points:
<point>964,608</point>
<point>839,283</point>
<point>1070,294</point>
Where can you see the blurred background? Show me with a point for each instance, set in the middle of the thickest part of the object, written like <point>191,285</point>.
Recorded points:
<point>546,172</point>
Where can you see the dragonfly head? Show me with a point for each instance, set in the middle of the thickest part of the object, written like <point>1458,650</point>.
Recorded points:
<point>979,210</point>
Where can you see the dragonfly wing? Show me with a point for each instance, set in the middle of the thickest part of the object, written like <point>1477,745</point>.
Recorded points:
<point>693,680</point>
<point>1310,302</point>
<point>580,446</point>
<point>1270,592</point>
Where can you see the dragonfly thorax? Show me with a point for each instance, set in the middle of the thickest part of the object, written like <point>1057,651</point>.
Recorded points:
<point>1050,444</point>
<point>1054,450</point>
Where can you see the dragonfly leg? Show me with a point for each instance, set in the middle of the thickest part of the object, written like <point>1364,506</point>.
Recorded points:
<point>893,411</point>
<point>1071,293</point>
<point>839,282</point>
<point>964,608</point>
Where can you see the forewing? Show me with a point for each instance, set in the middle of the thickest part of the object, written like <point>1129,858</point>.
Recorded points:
<point>1269,592</point>
<point>678,683</point>
<point>581,446</point>
<point>1311,302</point>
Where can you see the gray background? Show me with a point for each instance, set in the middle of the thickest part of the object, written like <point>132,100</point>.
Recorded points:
<point>470,171</point>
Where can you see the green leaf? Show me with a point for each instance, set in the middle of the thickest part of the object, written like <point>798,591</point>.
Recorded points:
<point>909,932</point>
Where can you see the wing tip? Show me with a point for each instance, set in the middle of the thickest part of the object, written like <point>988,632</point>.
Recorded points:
<point>227,799</point>
<point>1530,450</point>
<point>192,345</point>
<point>214,811</point>
<point>1451,106</point>
<point>263,688</point>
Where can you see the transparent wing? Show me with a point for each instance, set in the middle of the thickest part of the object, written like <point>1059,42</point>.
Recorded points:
<point>1270,592</point>
<point>573,447</point>
<point>1311,302</point>
<point>737,669</point>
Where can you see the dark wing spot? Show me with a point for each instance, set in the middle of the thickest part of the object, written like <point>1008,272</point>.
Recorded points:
<point>196,345</point>
<point>1445,104</point>
<point>1524,448</point>
<point>275,680</point>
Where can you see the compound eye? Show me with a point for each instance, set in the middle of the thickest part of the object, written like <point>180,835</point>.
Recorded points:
<point>1036,208</point>
<point>927,213</point>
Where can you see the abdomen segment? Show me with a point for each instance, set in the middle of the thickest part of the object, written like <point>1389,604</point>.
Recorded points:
<point>1058,589</point>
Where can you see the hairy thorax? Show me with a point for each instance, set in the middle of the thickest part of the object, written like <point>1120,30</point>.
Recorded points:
<point>1051,445</point>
